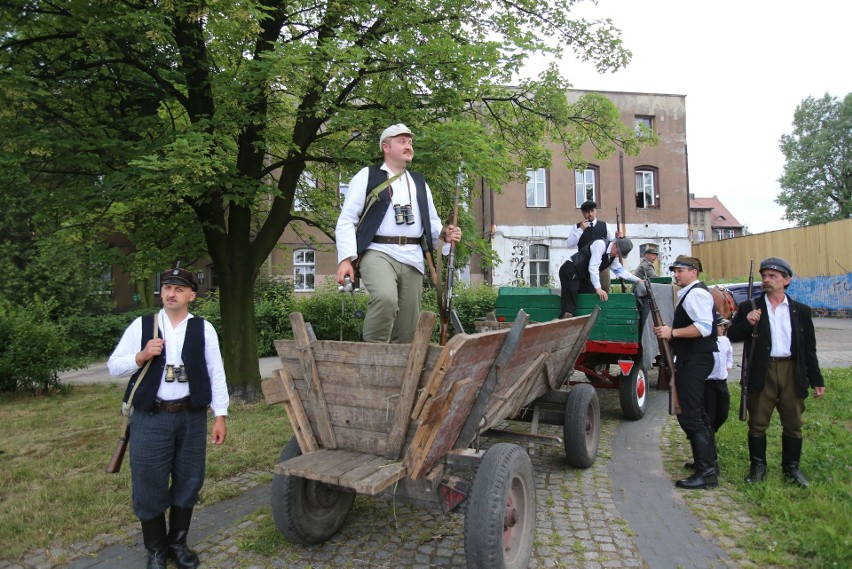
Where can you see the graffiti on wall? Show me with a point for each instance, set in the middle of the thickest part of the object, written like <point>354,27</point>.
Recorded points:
<point>665,256</point>
<point>517,263</point>
<point>832,293</point>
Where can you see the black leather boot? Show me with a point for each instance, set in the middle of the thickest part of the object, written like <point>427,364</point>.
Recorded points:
<point>757,459</point>
<point>705,465</point>
<point>791,452</point>
<point>183,556</point>
<point>156,541</point>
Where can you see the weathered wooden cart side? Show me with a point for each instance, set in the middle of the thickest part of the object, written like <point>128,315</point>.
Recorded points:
<point>368,417</point>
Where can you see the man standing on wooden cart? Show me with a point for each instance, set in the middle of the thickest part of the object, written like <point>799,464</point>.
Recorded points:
<point>693,340</point>
<point>388,243</point>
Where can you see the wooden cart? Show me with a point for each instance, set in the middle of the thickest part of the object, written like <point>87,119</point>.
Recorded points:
<point>399,420</point>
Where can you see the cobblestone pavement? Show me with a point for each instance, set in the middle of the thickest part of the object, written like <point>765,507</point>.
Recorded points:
<point>619,513</point>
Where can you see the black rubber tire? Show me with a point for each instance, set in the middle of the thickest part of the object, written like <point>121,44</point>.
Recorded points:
<point>503,493</point>
<point>582,428</point>
<point>633,392</point>
<point>307,512</point>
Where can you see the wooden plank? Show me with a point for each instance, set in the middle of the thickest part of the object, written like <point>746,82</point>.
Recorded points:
<point>501,362</point>
<point>439,432</point>
<point>273,390</point>
<point>383,478</point>
<point>296,412</point>
<point>509,402</point>
<point>309,368</point>
<point>410,381</point>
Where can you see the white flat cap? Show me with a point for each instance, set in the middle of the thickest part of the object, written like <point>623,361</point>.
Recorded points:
<point>393,130</point>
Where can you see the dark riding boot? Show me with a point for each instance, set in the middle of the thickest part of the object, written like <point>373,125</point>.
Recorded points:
<point>183,556</point>
<point>791,452</point>
<point>156,541</point>
<point>705,465</point>
<point>757,457</point>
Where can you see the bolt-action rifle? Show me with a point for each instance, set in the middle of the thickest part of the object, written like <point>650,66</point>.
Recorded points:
<point>667,368</point>
<point>447,300</point>
<point>747,359</point>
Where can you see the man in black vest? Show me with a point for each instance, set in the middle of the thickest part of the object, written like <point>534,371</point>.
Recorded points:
<point>581,273</point>
<point>591,229</point>
<point>168,414</point>
<point>784,365</point>
<point>389,242</point>
<point>693,340</point>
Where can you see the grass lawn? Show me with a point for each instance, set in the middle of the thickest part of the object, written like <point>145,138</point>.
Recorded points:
<point>55,449</point>
<point>790,526</point>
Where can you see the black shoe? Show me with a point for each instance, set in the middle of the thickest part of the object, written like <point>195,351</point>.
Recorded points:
<point>757,459</point>
<point>703,452</point>
<point>183,556</point>
<point>791,452</point>
<point>156,541</point>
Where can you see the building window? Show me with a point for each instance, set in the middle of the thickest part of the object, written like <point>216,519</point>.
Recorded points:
<point>539,266</point>
<point>585,182</point>
<point>701,236</point>
<point>720,234</point>
<point>646,192</point>
<point>536,187</point>
<point>643,126</point>
<point>731,234</point>
<point>214,277</point>
<point>304,265</point>
<point>307,184</point>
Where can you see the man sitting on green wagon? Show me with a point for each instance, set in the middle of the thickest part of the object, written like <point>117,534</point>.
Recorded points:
<point>581,273</point>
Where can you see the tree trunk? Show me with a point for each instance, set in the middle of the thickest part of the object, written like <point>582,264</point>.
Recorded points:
<point>239,332</point>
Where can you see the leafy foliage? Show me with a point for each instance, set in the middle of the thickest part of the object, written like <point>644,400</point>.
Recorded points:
<point>33,349</point>
<point>817,183</point>
<point>173,122</point>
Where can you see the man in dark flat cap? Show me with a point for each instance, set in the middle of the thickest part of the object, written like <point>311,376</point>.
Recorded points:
<point>784,365</point>
<point>168,430</point>
<point>693,340</point>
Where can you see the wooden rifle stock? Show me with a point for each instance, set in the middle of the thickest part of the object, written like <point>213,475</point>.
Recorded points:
<point>447,300</point>
<point>747,357</point>
<point>118,454</point>
<point>667,358</point>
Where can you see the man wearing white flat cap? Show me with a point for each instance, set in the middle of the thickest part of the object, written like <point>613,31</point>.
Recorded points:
<point>387,223</point>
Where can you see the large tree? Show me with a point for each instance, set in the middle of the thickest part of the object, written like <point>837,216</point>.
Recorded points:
<point>129,114</point>
<point>817,183</point>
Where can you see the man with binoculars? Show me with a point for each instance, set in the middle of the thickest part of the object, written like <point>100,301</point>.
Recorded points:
<point>388,243</point>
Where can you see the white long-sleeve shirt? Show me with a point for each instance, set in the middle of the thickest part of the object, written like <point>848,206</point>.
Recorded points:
<point>699,307</point>
<point>596,251</point>
<point>723,360</point>
<point>404,193</point>
<point>577,232</point>
<point>122,362</point>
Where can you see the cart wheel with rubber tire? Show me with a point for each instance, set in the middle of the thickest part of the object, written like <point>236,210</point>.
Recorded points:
<point>633,392</point>
<point>582,428</point>
<point>499,523</point>
<point>307,512</point>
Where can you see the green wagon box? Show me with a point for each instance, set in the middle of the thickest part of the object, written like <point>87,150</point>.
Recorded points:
<point>618,320</point>
<point>541,304</point>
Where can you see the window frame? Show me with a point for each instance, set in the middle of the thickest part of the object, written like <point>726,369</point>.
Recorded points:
<point>310,270</point>
<point>655,191</point>
<point>595,197</point>
<point>545,183</point>
<point>539,279</point>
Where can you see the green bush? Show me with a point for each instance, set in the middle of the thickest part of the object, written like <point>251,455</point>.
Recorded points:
<point>330,311</point>
<point>95,336</point>
<point>33,349</point>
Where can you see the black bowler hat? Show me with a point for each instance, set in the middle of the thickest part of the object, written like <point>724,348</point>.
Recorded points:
<point>776,264</point>
<point>179,277</point>
<point>588,206</point>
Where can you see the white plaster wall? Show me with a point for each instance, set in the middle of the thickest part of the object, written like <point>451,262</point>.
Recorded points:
<point>512,246</point>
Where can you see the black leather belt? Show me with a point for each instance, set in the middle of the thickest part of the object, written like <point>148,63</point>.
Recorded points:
<point>399,240</point>
<point>781,359</point>
<point>175,406</point>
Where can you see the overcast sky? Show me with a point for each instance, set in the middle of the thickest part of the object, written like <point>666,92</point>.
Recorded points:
<point>744,67</point>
